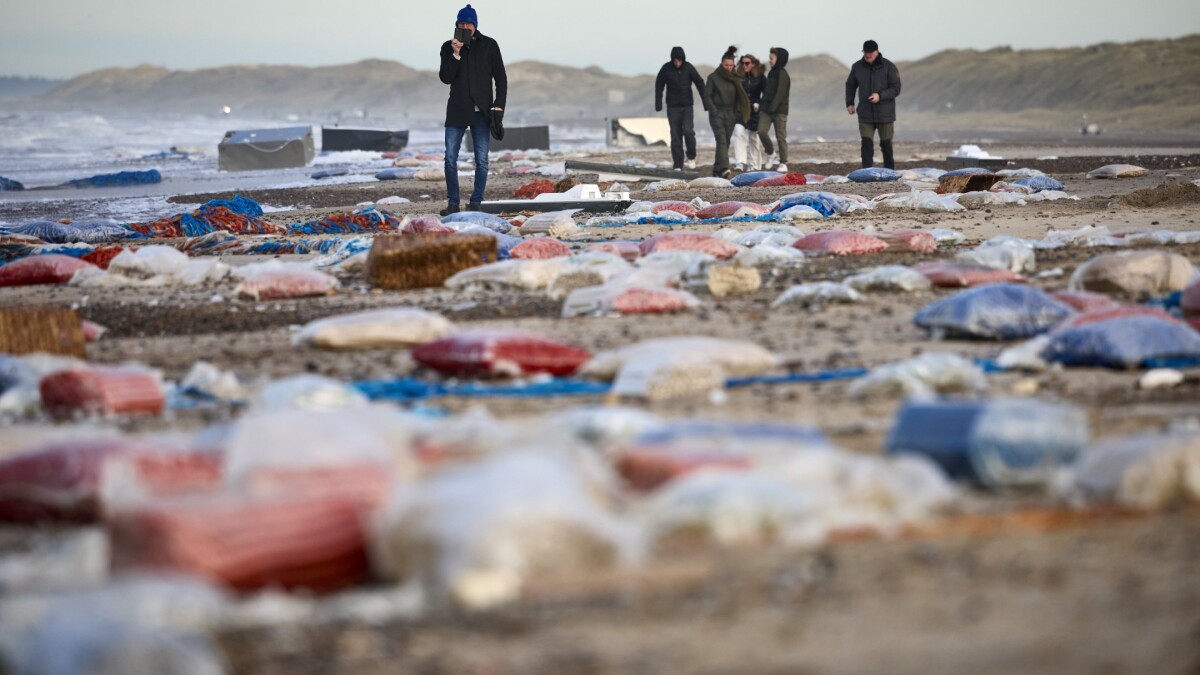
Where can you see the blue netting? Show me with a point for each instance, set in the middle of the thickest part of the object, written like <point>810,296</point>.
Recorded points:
<point>874,174</point>
<point>239,205</point>
<point>825,203</point>
<point>8,184</point>
<point>751,177</point>
<point>994,311</point>
<point>362,221</point>
<point>1039,183</point>
<point>118,179</point>
<point>271,248</point>
<point>1126,342</point>
<point>397,173</point>
<point>488,220</point>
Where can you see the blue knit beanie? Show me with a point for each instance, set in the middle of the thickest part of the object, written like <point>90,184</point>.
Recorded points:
<point>467,15</point>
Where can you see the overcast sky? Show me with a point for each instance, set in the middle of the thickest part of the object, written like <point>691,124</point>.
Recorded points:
<point>63,38</point>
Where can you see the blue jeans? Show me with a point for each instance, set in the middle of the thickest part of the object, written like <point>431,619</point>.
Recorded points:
<point>480,130</point>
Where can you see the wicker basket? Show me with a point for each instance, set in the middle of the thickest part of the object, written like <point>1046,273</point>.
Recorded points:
<point>53,330</point>
<point>397,262</point>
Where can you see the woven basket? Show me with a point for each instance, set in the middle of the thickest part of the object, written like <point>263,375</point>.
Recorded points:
<point>397,262</point>
<point>977,182</point>
<point>53,330</point>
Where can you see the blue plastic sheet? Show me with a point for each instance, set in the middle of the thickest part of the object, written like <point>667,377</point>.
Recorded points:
<point>118,179</point>
<point>751,177</point>
<point>488,220</point>
<point>329,173</point>
<point>825,203</point>
<point>1039,183</point>
<point>1126,342</point>
<point>10,185</point>
<point>397,173</point>
<point>48,231</point>
<point>994,311</point>
<point>874,174</point>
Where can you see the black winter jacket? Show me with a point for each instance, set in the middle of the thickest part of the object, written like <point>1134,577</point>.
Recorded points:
<point>881,78</point>
<point>678,83</point>
<point>755,83</point>
<point>470,79</point>
<point>779,86</point>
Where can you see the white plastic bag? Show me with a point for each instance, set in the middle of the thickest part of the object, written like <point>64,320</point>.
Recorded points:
<point>307,392</point>
<point>815,294</point>
<point>1118,171</point>
<point>669,185</point>
<point>735,358</point>
<point>710,182</point>
<point>888,278</point>
<point>551,223</point>
<point>924,376</point>
<point>394,327</point>
<point>1147,471</point>
<point>528,275</point>
<point>1010,256</point>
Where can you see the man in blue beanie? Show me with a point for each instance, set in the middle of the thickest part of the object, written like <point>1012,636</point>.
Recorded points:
<point>469,67</point>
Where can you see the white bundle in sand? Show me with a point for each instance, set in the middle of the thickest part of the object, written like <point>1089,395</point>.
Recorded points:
<point>528,275</point>
<point>1007,255</point>
<point>1148,471</point>
<point>925,376</point>
<point>669,185</point>
<point>1118,171</point>
<point>709,182</point>
<point>817,294</point>
<point>551,223</point>
<point>888,278</point>
<point>432,175</point>
<point>394,327</point>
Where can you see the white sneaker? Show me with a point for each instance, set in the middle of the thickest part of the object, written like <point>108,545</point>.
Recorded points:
<point>738,167</point>
<point>690,164</point>
<point>782,168</point>
<point>770,161</point>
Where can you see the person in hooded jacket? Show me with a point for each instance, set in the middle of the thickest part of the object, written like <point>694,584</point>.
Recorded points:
<point>677,77</point>
<point>774,111</point>
<point>876,81</point>
<point>747,151</point>
<point>728,103</point>
<point>470,68</point>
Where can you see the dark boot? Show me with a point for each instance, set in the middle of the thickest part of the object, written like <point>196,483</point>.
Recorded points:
<point>889,160</point>
<point>868,152</point>
<point>451,208</point>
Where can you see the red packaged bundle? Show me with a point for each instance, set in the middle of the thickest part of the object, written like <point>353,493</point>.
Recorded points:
<point>649,468</point>
<point>431,157</point>
<point>247,541</point>
<point>47,268</point>
<point>1098,315</point>
<point>1190,301</point>
<point>840,243</point>
<point>908,240</point>
<point>109,390</point>
<point>626,249</point>
<point>100,257</point>
<point>814,178</point>
<point>499,352</point>
<point>653,301</point>
<point>540,248</point>
<point>785,179</point>
<point>61,481</point>
<point>287,284</point>
<point>425,225</point>
<point>688,241</point>
<point>366,483</point>
<point>682,208</point>
<point>948,274</point>
<point>93,331</point>
<point>1085,301</point>
<point>533,189</point>
<point>727,209</point>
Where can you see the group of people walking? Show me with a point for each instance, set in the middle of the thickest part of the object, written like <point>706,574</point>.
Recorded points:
<point>745,100</point>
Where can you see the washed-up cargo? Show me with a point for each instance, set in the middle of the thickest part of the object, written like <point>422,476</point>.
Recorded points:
<point>626,249</point>
<point>47,268</point>
<point>501,353</point>
<point>623,298</point>
<point>888,278</point>
<point>425,225</point>
<point>688,241</point>
<point>1146,471</point>
<point>1134,273</point>
<point>874,174</point>
<point>1085,301</point>
<point>840,243</point>
<point>1004,311</point>
<point>785,179</point>
<point>728,209</point>
<point>285,284</point>
<point>1128,342</point>
<point>751,177</point>
<point>908,240</point>
<point>395,327</point>
<point>1118,171</point>
<point>102,390</point>
<point>679,207</point>
<point>540,248</point>
<point>816,294</point>
<point>736,358</point>
<point>949,274</point>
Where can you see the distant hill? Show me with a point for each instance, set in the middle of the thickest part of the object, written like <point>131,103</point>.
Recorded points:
<point>14,87</point>
<point>1154,84</point>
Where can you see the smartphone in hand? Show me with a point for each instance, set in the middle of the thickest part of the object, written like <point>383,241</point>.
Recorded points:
<point>463,35</point>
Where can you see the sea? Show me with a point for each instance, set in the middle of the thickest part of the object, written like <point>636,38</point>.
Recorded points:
<point>44,150</point>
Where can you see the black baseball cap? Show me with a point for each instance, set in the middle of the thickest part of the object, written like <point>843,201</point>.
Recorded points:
<point>870,46</point>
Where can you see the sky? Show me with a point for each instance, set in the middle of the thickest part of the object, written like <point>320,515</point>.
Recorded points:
<point>64,38</point>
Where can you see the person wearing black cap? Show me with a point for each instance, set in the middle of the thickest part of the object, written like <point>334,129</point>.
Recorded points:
<point>877,83</point>
<point>677,77</point>
<point>469,68</point>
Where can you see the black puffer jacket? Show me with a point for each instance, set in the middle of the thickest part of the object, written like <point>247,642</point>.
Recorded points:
<point>779,86</point>
<point>881,78</point>
<point>678,83</point>
<point>755,83</point>
<point>470,79</point>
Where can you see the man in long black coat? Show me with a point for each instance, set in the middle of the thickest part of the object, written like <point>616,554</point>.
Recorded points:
<point>877,83</point>
<point>469,68</point>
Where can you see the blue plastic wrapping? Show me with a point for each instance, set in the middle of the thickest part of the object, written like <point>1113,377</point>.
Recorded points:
<point>118,179</point>
<point>99,231</point>
<point>1000,311</point>
<point>48,231</point>
<point>1039,183</point>
<point>751,177</point>
<point>967,171</point>
<point>329,173</point>
<point>874,174</point>
<point>825,203</point>
<point>1126,342</point>
<point>488,220</point>
<point>998,443</point>
<point>397,173</point>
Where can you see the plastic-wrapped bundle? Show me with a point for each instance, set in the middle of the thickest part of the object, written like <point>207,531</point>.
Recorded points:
<point>1006,442</point>
<point>499,352</point>
<point>816,294</point>
<point>49,268</point>
<point>709,182</point>
<point>800,212</point>
<point>1008,255</point>
<point>682,208</point>
<point>1189,301</point>
<point>1003,311</point>
<point>397,173</point>
<point>1146,471</point>
<point>874,174</point>
<point>1135,273</point>
<point>488,220</point>
<point>728,209</point>
<point>735,358</point>
<point>1039,183</point>
<point>841,243</point>
<point>48,231</point>
<point>946,273</point>
<point>110,390</point>
<point>908,240</point>
<point>504,243</point>
<point>924,201</point>
<point>924,174</point>
<point>1127,342</point>
<point>1118,171</point>
<point>888,278</point>
<point>669,185</point>
<point>284,284</point>
<point>782,180</point>
<point>99,231</point>
<point>425,225</point>
<point>624,298</point>
<point>825,203</point>
<point>540,248</point>
<point>118,179</point>
<point>1085,301</point>
<point>925,376</point>
<point>751,177</point>
<point>551,223</point>
<point>1118,312</point>
<point>528,275</point>
<point>626,249</point>
<point>967,171</point>
<point>394,327</point>
<point>688,241</point>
